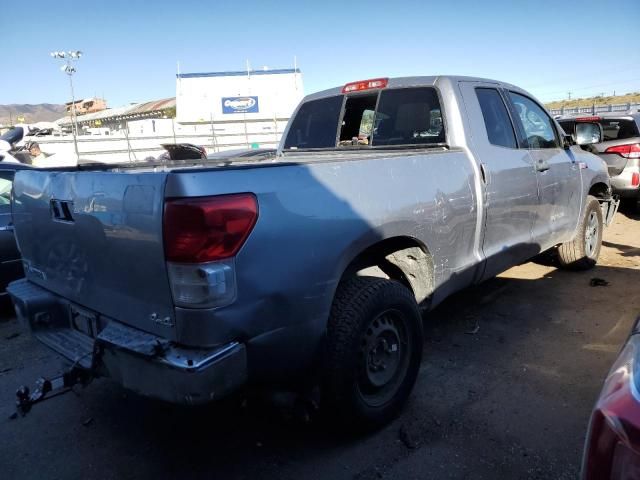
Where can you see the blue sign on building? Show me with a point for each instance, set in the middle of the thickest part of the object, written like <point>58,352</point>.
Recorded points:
<point>239,104</point>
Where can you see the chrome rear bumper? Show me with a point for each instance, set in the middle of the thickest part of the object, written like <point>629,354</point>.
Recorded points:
<point>145,363</point>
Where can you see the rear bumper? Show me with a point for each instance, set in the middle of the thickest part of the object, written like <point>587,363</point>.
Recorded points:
<point>139,361</point>
<point>622,184</point>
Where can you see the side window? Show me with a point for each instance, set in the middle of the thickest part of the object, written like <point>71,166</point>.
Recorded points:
<point>536,124</point>
<point>496,118</point>
<point>5,193</point>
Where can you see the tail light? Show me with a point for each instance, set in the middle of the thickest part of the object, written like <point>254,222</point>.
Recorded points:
<point>635,179</point>
<point>631,150</point>
<point>204,229</point>
<point>361,85</point>
<point>201,238</point>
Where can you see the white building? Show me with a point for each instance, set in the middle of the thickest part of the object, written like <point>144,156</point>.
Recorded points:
<point>238,109</point>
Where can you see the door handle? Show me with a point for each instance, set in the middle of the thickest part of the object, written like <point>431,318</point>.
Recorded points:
<point>542,165</point>
<point>483,173</point>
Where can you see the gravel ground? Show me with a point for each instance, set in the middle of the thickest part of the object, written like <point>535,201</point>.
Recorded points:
<point>511,370</point>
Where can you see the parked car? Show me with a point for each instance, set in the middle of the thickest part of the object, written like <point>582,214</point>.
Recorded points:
<point>10,152</point>
<point>387,196</point>
<point>619,148</point>
<point>182,151</point>
<point>10,262</point>
<point>14,149</point>
<point>612,448</point>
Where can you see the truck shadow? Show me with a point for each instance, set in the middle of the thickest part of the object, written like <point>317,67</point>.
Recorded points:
<point>493,351</point>
<point>627,251</point>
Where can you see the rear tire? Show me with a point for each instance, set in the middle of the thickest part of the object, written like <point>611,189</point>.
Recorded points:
<point>374,349</point>
<point>582,252</point>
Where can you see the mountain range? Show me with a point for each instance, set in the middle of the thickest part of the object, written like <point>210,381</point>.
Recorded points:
<point>42,112</point>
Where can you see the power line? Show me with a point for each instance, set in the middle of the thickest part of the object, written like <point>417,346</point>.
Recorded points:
<point>608,84</point>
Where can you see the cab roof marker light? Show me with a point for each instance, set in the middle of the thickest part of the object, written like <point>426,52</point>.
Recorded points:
<point>361,85</point>
<point>588,119</point>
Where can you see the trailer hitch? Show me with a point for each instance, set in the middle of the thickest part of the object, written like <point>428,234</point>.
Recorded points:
<point>47,388</point>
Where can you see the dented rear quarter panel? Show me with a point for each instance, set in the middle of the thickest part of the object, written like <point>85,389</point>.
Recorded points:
<point>315,216</point>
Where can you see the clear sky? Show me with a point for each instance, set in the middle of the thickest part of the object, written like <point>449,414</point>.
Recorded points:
<point>131,47</point>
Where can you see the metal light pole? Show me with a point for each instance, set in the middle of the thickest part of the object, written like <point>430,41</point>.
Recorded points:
<point>68,68</point>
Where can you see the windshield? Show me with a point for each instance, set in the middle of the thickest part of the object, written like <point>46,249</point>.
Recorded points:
<point>394,117</point>
<point>618,129</point>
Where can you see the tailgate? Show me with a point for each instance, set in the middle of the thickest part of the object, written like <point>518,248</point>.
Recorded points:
<point>95,238</point>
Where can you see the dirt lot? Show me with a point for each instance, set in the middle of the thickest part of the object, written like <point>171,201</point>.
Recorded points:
<point>511,400</point>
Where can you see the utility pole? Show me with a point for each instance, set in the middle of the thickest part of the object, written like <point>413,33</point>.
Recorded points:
<point>68,68</point>
<point>569,94</point>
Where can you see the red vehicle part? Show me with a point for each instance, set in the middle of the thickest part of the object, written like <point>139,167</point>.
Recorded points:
<point>612,448</point>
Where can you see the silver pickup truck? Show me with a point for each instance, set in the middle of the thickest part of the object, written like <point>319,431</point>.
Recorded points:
<point>315,265</point>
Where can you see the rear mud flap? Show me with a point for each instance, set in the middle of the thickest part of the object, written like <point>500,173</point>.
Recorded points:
<point>609,208</point>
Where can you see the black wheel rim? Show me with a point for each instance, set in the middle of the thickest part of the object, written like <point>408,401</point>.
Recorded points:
<point>384,355</point>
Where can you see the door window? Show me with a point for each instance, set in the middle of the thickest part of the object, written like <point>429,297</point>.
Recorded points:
<point>496,118</point>
<point>536,124</point>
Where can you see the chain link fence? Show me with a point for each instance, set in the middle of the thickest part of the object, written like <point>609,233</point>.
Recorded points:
<point>594,109</point>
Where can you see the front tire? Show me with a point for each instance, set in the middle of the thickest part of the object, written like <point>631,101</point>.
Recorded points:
<point>582,252</point>
<point>374,349</point>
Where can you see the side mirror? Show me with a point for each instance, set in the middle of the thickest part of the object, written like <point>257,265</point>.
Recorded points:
<point>588,133</point>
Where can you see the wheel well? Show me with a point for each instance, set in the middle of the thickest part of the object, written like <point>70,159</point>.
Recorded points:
<point>403,259</point>
<point>600,190</point>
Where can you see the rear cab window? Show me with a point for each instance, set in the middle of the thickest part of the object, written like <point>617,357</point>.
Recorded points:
<point>315,124</point>
<point>397,117</point>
